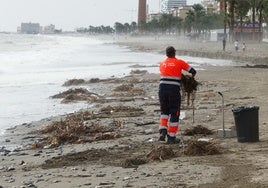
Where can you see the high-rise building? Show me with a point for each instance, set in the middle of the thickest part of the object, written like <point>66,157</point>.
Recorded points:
<point>175,3</point>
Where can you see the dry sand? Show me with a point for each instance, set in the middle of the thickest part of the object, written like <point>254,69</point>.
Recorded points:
<point>130,155</point>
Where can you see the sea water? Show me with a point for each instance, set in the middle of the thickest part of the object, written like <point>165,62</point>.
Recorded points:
<point>34,67</point>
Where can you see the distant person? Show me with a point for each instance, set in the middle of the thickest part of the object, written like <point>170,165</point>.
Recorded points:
<point>169,94</point>
<point>244,46</point>
<point>236,45</point>
<point>223,43</point>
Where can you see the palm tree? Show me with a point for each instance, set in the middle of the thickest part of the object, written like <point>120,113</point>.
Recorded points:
<point>261,10</point>
<point>133,26</point>
<point>265,11</point>
<point>199,13</point>
<point>119,27</point>
<point>167,22</point>
<point>232,17</point>
<point>179,25</point>
<point>127,28</point>
<point>241,9</point>
<point>212,21</point>
<point>253,8</point>
<point>193,20</point>
<point>225,17</point>
<point>189,21</point>
<point>153,26</point>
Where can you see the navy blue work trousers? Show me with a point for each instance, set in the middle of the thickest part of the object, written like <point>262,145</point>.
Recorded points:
<point>170,101</point>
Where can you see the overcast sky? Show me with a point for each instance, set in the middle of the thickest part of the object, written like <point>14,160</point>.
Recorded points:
<point>70,14</point>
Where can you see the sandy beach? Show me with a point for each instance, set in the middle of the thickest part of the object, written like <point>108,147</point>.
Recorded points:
<point>255,52</point>
<point>118,144</point>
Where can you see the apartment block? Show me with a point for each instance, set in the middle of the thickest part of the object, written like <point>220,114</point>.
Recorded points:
<point>175,4</point>
<point>30,28</point>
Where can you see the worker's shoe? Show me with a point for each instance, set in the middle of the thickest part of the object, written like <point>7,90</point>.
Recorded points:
<point>163,134</point>
<point>172,140</point>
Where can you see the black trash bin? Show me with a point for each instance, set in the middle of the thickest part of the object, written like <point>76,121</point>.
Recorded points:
<point>247,123</point>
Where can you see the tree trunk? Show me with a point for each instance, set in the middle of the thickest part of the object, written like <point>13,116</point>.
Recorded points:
<point>253,17</point>
<point>260,20</point>
<point>232,19</point>
<point>241,28</point>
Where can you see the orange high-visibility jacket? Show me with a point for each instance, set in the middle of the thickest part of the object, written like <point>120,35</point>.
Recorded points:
<point>171,70</point>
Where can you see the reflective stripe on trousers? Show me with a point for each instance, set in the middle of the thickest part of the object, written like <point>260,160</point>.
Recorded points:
<point>163,121</point>
<point>173,128</point>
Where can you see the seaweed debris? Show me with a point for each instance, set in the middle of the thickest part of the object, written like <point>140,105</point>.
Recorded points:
<point>197,130</point>
<point>75,129</point>
<point>189,86</point>
<point>74,82</point>
<point>161,153</point>
<point>200,148</point>
<point>77,94</point>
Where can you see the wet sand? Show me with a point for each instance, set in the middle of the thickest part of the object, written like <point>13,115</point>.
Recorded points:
<point>129,155</point>
<point>255,53</point>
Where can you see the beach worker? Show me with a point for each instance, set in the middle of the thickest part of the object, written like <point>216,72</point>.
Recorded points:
<point>236,45</point>
<point>169,94</point>
<point>223,43</point>
<point>244,46</point>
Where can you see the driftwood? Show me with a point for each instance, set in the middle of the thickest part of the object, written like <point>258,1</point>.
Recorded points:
<point>144,123</point>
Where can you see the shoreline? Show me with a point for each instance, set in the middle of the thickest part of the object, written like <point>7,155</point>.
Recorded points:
<point>255,51</point>
<point>138,135</point>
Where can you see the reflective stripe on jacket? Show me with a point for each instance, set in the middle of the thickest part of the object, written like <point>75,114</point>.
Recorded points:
<point>171,70</point>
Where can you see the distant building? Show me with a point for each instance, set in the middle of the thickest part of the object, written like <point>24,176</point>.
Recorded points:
<point>30,28</point>
<point>221,5</point>
<point>154,16</point>
<point>181,11</point>
<point>175,4</point>
<point>18,29</point>
<point>50,29</point>
<point>217,35</point>
<point>211,6</point>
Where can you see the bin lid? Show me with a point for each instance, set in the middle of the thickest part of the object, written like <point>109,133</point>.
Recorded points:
<point>244,108</point>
